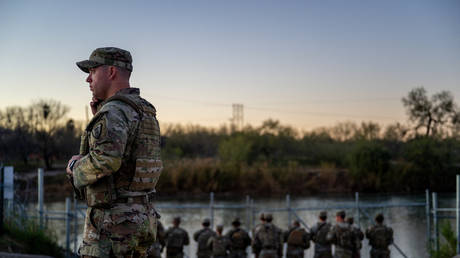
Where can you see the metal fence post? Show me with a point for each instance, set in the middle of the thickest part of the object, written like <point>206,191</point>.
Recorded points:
<point>211,208</point>
<point>67,226</point>
<point>428,217</point>
<point>288,205</point>
<point>248,214</point>
<point>75,225</point>
<point>435,221</point>
<point>40,195</point>
<point>1,199</point>
<point>252,212</point>
<point>458,214</point>
<point>357,209</point>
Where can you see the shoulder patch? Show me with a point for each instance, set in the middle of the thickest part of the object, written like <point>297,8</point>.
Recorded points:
<point>96,132</point>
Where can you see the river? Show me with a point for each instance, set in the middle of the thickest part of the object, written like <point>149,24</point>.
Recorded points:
<point>408,222</point>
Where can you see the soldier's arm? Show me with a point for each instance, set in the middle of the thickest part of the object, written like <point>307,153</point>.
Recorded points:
<point>391,235</point>
<point>108,136</point>
<point>196,235</point>
<point>186,240</point>
<point>368,233</point>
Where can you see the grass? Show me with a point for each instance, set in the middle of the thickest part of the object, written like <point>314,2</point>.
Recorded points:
<point>25,236</point>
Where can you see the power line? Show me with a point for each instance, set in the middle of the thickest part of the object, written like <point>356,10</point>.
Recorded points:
<point>298,112</point>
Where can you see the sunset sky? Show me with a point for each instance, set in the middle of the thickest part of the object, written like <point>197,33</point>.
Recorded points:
<point>305,63</point>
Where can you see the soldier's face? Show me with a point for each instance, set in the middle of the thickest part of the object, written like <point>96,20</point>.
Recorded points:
<point>99,82</point>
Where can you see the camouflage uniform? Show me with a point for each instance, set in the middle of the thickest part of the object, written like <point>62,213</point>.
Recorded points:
<point>359,236</point>
<point>202,236</point>
<point>120,219</point>
<point>239,240</point>
<point>220,246</point>
<point>297,240</point>
<point>341,235</point>
<point>176,238</point>
<point>157,248</point>
<point>268,241</point>
<point>380,238</point>
<point>318,236</point>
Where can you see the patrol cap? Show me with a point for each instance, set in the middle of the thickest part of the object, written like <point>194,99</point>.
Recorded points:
<point>323,214</point>
<point>206,221</point>
<point>176,220</point>
<point>107,56</point>
<point>340,214</point>
<point>350,220</point>
<point>236,222</point>
<point>379,217</point>
<point>220,228</point>
<point>268,217</point>
<point>262,216</point>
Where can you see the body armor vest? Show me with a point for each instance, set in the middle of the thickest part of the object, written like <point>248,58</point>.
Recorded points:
<point>141,164</point>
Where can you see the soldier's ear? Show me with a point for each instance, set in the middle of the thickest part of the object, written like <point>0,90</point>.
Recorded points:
<point>112,72</point>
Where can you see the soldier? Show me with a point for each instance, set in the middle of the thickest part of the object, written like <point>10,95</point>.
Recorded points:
<point>318,236</point>
<point>268,241</point>
<point>157,248</point>
<point>176,238</point>
<point>119,162</point>
<point>239,240</point>
<point>254,232</point>
<point>202,236</point>
<point>341,235</point>
<point>297,240</point>
<point>359,236</point>
<point>380,238</point>
<point>219,244</point>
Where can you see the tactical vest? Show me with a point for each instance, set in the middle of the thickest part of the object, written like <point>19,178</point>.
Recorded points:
<point>296,238</point>
<point>175,238</point>
<point>238,239</point>
<point>345,237</point>
<point>203,238</point>
<point>269,237</point>
<point>219,246</point>
<point>321,234</point>
<point>140,171</point>
<point>380,237</point>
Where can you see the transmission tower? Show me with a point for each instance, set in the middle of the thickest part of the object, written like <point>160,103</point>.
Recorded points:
<point>237,119</point>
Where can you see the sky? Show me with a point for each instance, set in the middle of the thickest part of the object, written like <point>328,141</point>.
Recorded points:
<point>307,64</point>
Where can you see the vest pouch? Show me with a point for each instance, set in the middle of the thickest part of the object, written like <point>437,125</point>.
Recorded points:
<point>146,175</point>
<point>101,194</point>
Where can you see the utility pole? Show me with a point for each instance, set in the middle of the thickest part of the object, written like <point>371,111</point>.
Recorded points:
<point>238,117</point>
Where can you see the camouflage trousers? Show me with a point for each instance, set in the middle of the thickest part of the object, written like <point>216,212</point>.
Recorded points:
<point>342,253</point>
<point>380,253</point>
<point>294,252</point>
<point>125,230</point>
<point>238,254</point>
<point>174,253</point>
<point>204,254</point>
<point>268,253</point>
<point>155,250</point>
<point>323,254</point>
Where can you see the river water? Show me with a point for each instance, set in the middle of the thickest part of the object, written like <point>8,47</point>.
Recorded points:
<point>408,222</point>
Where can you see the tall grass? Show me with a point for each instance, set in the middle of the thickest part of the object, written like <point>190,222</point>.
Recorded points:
<point>25,236</point>
<point>210,175</point>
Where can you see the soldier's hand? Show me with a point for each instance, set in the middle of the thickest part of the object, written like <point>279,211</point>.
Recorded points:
<point>94,103</point>
<point>74,157</point>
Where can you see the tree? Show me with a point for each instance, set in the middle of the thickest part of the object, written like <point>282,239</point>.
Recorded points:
<point>430,113</point>
<point>46,117</point>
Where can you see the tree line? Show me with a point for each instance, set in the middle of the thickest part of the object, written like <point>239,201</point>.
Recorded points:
<point>424,153</point>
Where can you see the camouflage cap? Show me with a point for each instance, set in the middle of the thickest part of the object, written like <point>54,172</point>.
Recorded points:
<point>350,220</point>
<point>268,216</point>
<point>379,217</point>
<point>236,221</point>
<point>340,214</point>
<point>323,214</point>
<point>107,56</point>
<point>206,221</point>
